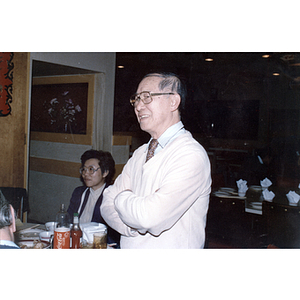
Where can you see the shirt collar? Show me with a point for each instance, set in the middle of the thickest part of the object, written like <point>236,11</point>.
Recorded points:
<point>164,139</point>
<point>169,133</point>
<point>98,192</point>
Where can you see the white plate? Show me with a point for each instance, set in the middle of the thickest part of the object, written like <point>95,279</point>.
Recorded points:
<point>220,193</point>
<point>227,189</point>
<point>29,234</point>
<point>256,205</point>
<point>227,195</point>
<point>29,244</point>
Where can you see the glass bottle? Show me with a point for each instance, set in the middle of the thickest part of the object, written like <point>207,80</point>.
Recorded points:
<point>62,217</point>
<point>76,232</point>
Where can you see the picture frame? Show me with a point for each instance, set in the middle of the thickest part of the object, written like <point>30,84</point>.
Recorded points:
<point>62,109</point>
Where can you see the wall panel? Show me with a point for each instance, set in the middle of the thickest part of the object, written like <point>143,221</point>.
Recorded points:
<point>13,128</point>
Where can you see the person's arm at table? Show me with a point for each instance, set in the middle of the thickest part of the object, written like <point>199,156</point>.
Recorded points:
<point>107,208</point>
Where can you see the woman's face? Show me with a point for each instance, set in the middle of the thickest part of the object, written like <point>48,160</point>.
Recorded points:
<point>94,180</point>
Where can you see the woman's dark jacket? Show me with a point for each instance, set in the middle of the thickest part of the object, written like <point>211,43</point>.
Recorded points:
<point>112,235</point>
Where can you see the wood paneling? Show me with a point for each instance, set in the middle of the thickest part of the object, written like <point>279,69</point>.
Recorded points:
<point>122,140</point>
<point>119,169</point>
<point>13,128</point>
<point>60,167</point>
<point>53,166</point>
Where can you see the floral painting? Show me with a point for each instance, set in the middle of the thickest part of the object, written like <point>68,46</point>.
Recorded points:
<point>59,108</point>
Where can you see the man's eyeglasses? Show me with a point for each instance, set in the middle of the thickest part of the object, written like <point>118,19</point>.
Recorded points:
<point>146,97</point>
<point>90,170</point>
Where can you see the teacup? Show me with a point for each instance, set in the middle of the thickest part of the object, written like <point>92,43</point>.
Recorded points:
<point>45,235</point>
<point>50,226</point>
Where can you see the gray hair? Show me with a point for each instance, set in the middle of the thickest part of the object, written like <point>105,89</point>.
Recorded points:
<point>172,81</point>
<point>6,218</point>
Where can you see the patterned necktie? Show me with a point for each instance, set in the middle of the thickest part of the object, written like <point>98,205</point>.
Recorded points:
<point>151,149</point>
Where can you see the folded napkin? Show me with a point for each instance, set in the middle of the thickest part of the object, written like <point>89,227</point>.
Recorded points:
<point>242,187</point>
<point>268,195</point>
<point>293,197</point>
<point>265,183</point>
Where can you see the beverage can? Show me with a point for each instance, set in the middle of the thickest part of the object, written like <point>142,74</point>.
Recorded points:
<point>61,238</point>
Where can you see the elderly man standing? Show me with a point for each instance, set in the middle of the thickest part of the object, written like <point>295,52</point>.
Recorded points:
<point>7,224</point>
<point>160,200</point>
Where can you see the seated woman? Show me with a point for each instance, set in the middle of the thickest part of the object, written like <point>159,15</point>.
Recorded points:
<point>97,172</point>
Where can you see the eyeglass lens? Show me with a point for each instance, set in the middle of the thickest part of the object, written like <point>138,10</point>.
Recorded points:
<point>90,170</point>
<point>144,96</point>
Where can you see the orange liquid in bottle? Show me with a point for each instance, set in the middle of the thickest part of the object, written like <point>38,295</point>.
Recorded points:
<point>76,235</point>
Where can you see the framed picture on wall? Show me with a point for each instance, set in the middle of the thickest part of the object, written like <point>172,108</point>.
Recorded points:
<point>62,109</point>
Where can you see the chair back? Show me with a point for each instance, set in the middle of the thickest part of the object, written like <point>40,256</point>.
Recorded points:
<point>18,198</point>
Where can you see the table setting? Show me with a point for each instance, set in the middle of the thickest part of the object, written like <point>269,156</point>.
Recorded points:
<point>28,236</point>
<point>254,195</point>
<point>42,236</point>
<point>253,201</point>
<point>227,192</point>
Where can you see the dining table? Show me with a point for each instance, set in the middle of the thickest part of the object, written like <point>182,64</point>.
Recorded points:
<point>250,221</point>
<point>27,236</point>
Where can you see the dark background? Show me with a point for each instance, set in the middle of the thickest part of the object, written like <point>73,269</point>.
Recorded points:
<point>235,96</point>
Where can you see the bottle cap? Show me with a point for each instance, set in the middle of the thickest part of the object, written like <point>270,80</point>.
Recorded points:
<point>75,218</point>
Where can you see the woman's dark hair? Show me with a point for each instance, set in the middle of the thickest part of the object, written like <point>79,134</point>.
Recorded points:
<point>172,81</point>
<point>106,162</point>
